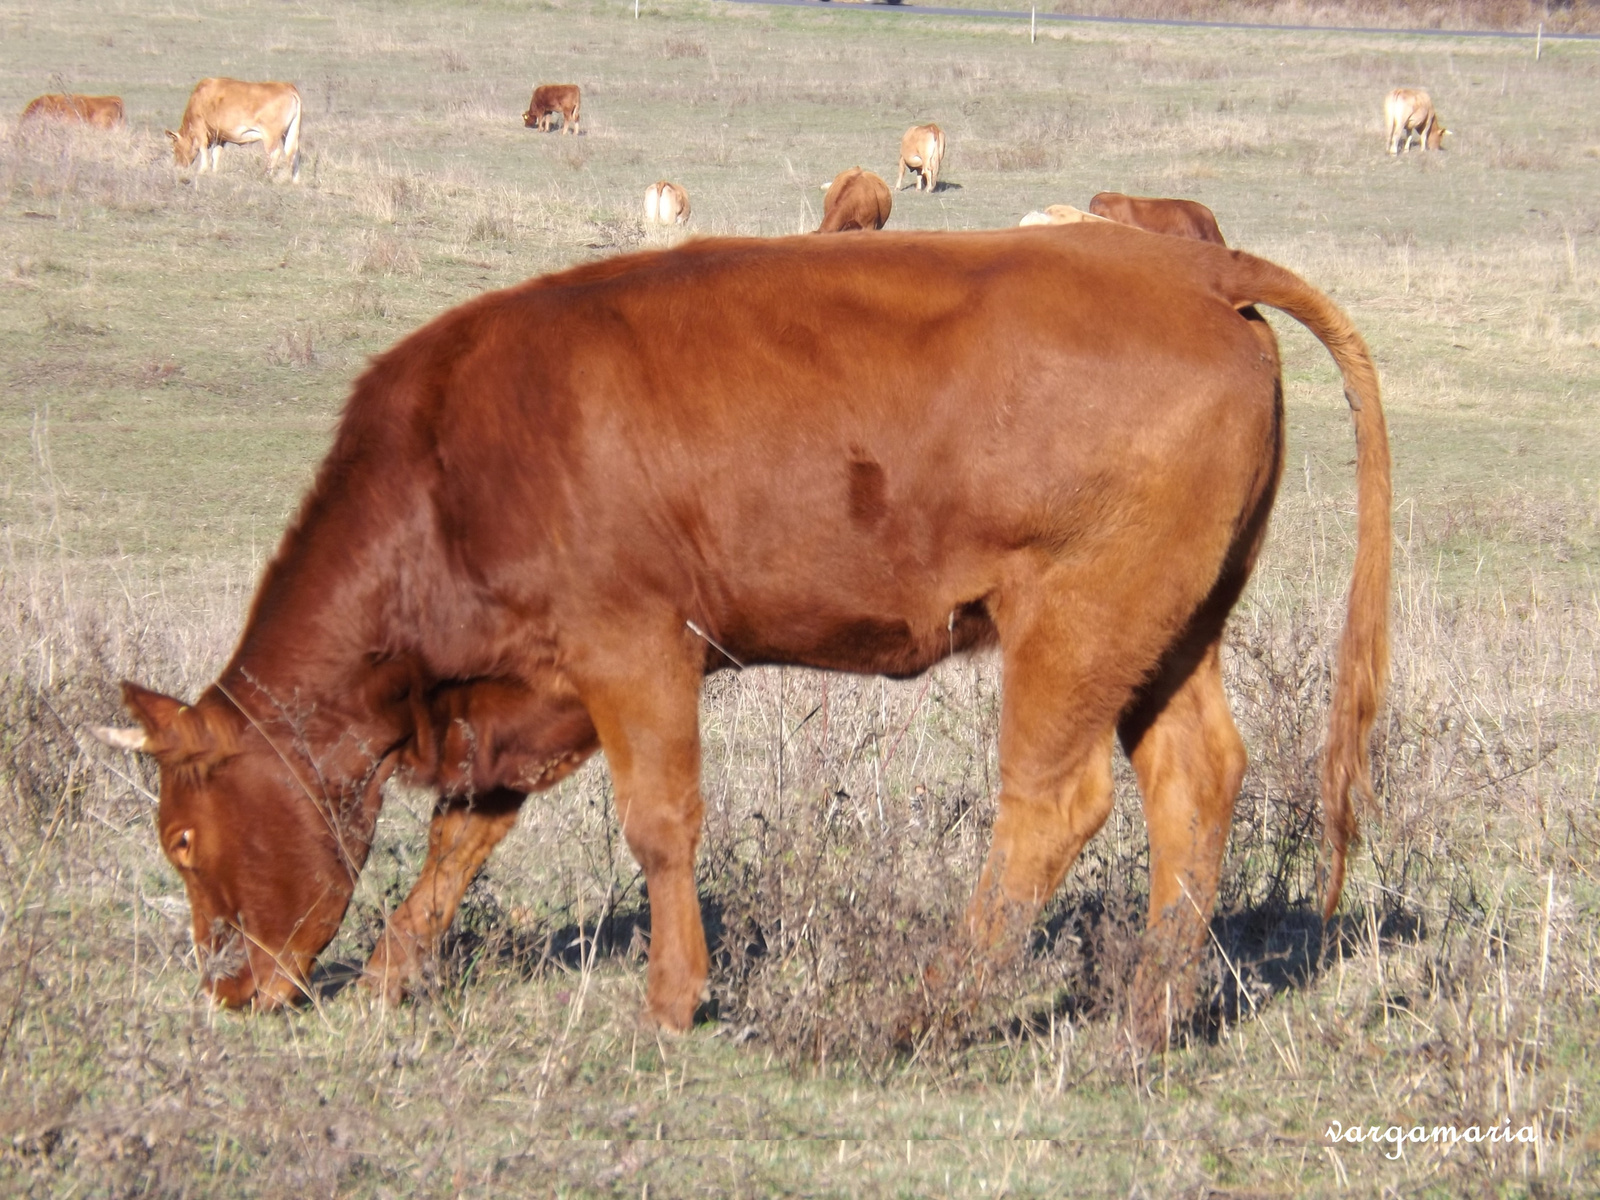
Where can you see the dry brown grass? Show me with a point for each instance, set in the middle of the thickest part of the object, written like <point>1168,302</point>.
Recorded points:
<point>846,820</point>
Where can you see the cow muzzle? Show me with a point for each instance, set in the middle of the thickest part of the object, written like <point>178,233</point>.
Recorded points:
<point>237,974</point>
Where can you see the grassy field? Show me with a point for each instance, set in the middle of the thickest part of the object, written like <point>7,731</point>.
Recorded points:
<point>174,351</point>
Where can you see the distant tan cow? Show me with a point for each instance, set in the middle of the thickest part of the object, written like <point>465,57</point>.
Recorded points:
<point>101,112</point>
<point>1408,112</point>
<point>922,150</point>
<point>1178,218</point>
<point>665,204</point>
<point>856,199</point>
<point>233,112</point>
<point>550,99</point>
<point>1058,214</point>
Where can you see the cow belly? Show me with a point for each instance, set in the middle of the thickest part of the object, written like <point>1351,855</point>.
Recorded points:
<point>884,641</point>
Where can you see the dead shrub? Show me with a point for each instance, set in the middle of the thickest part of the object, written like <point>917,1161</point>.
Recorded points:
<point>384,254</point>
<point>575,156</point>
<point>159,372</point>
<point>1516,156</point>
<point>294,347</point>
<point>683,47</point>
<point>492,224</point>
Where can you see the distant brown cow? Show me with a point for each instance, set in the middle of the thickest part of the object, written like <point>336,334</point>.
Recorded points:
<point>922,151</point>
<point>235,112</point>
<point>550,99</point>
<point>547,515</point>
<point>101,112</point>
<point>856,199</point>
<point>1179,218</point>
<point>665,204</point>
<point>1408,113</point>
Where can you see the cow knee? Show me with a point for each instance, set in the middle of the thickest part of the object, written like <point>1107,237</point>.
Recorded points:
<point>663,840</point>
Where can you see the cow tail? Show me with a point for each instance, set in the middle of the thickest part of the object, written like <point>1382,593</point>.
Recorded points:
<point>1363,660</point>
<point>291,140</point>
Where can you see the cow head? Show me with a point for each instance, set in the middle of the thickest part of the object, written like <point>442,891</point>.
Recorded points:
<point>184,148</point>
<point>1436,136</point>
<point>529,121</point>
<point>268,868</point>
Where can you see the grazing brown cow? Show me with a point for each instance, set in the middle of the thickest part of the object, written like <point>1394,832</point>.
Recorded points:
<point>101,112</point>
<point>856,199</point>
<point>549,99</point>
<point>234,112</point>
<point>1058,214</point>
<point>665,204</point>
<point>1408,113</point>
<point>1179,218</point>
<point>550,512</point>
<point>922,150</point>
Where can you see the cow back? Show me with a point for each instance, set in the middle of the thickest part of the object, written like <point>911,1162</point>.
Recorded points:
<point>1176,218</point>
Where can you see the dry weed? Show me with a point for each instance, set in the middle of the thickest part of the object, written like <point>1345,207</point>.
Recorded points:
<point>384,254</point>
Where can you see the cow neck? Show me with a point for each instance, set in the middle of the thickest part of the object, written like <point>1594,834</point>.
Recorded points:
<point>315,671</point>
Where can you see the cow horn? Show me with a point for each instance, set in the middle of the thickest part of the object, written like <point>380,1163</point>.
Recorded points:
<point>120,739</point>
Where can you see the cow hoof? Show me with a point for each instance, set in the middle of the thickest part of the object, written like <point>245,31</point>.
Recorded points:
<point>385,986</point>
<point>392,970</point>
<point>671,1023</point>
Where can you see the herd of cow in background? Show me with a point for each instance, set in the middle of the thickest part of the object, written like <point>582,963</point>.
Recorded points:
<point>234,112</point>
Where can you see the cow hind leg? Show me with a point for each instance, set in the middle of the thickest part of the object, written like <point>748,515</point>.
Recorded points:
<point>460,839</point>
<point>1190,761</point>
<point>291,145</point>
<point>1061,699</point>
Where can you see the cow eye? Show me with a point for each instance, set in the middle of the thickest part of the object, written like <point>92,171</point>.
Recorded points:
<point>182,848</point>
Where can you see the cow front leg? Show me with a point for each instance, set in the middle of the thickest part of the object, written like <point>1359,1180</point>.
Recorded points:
<point>459,841</point>
<point>644,700</point>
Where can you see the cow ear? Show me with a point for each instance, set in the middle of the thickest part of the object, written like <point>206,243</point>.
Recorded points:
<point>179,734</point>
<point>171,136</point>
<point>153,710</point>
